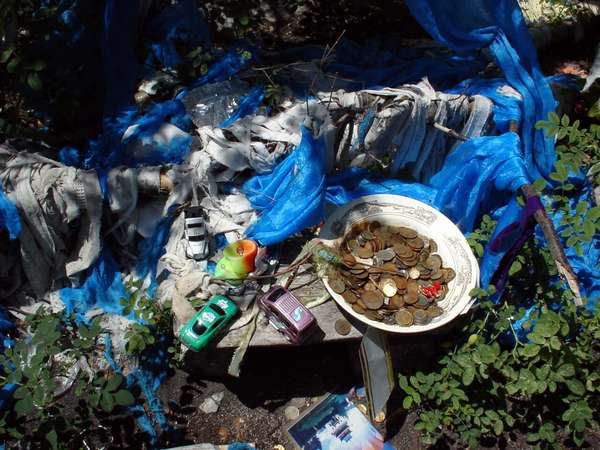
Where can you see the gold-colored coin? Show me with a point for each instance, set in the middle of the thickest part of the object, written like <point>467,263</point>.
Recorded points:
<point>400,283</point>
<point>349,260</point>
<point>337,285</point>
<point>372,299</point>
<point>365,252</point>
<point>416,243</point>
<point>434,311</point>
<point>434,262</point>
<point>404,318</point>
<point>449,274</point>
<point>432,246</point>
<point>407,233</point>
<point>420,317</point>
<point>397,301</point>
<point>359,309</point>
<point>410,298</point>
<point>350,297</point>
<point>373,315</point>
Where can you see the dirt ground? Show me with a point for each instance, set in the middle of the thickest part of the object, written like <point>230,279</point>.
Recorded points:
<point>253,406</point>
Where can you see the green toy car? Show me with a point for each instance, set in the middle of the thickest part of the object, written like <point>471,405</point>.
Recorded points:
<point>206,323</point>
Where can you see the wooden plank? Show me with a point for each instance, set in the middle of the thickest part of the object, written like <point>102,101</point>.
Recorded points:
<point>306,287</point>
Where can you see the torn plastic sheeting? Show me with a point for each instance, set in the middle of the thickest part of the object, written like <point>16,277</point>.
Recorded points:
<point>475,174</point>
<point>475,177</point>
<point>214,103</point>
<point>229,63</point>
<point>291,197</point>
<point>466,25</point>
<point>179,23</point>
<point>247,105</point>
<point>585,265</point>
<point>356,182</point>
<point>9,216</point>
<point>103,288</point>
<point>380,63</point>
<point>109,150</point>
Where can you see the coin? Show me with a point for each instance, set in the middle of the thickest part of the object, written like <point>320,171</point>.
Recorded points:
<point>422,302</point>
<point>388,287</point>
<point>432,246</point>
<point>350,296</point>
<point>373,315</point>
<point>449,274</point>
<point>407,233</point>
<point>343,327</point>
<point>400,283</point>
<point>389,267</point>
<point>359,309</point>
<point>434,262</point>
<point>397,301</point>
<point>337,285</point>
<point>420,317</point>
<point>349,260</point>
<point>372,299</point>
<point>404,318</point>
<point>373,226</point>
<point>365,252</point>
<point>434,311</point>
<point>410,298</point>
<point>436,275</point>
<point>402,262</point>
<point>369,286</point>
<point>385,255</point>
<point>414,273</point>
<point>415,243</point>
<point>380,417</point>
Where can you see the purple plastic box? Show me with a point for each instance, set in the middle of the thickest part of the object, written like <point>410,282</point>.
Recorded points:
<point>290,317</point>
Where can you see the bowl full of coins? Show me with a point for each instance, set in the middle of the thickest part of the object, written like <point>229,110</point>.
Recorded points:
<point>401,265</point>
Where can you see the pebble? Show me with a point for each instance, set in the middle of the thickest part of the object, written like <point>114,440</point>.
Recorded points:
<point>291,413</point>
<point>211,404</point>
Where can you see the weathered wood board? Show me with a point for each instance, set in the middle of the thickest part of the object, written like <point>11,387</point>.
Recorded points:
<point>306,287</point>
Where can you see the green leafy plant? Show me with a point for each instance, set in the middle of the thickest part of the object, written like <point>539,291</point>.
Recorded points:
<point>152,320</point>
<point>479,237</point>
<point>153,326</point>
<point>578,148</point>
<point>540,378</point>
<point>39,412</point>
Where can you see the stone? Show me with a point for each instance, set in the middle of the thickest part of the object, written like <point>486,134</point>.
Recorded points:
<point>211,403</point>
<point>291,413</point>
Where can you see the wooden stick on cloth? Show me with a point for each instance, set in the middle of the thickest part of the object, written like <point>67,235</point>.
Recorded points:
<point>554,245</point>
<point>541,217</point>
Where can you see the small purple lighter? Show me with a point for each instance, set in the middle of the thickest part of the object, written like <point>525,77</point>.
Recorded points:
<point>285,312</point>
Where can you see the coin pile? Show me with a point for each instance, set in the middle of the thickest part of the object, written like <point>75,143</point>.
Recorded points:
<point>391,274</point>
